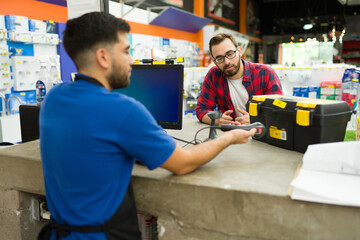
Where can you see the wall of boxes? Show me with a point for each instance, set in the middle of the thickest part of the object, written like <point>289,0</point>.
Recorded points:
<point>24,45</point>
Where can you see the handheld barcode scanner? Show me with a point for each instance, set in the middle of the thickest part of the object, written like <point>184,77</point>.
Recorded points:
<point>213,115</point>
<point>260,128</point>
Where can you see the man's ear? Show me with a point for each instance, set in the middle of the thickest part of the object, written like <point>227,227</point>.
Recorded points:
<point>103,58</point>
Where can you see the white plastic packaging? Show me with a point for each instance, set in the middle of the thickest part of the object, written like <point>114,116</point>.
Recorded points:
<point>54,75</point>
<point>43,85</point>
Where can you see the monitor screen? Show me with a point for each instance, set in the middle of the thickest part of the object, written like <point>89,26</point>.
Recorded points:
<point>160,89</point>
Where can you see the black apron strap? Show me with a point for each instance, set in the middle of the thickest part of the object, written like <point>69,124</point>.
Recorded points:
<point>88,79</point>
<point>64,230</point>
<point>123,225</point>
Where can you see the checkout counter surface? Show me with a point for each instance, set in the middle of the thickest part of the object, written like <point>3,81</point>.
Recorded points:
<point>241,194</point>
<point>252,167</point>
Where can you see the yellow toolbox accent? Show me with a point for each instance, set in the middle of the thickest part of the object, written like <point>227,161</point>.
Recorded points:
<point>279,103</point>
<point>158,62</point>
<point>137,62</point>
<point>253,109</point>
<point>179,60</point>
<point>303,118</point>
<point>276,133</point>
<point>259,99</point>
<point>306,105</point>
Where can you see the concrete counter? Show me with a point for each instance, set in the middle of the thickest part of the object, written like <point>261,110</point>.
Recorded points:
<point>241,194</point>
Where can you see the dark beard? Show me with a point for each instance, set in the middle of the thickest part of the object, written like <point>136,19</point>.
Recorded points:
<point>233,72</point>
<point>116,80</point>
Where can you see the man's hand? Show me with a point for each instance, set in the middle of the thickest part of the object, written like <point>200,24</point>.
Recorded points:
<point>240,136</point>
<point>226,119</point>
<point>244,119</point>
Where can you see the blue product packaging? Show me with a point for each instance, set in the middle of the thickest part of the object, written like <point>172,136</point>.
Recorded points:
<point>26,97</point>
<point>348,74</point>
<point>304,91</point>
<point>37,26</point>
<point>356,76</point>
<point>17,23</point>
<point>297,91</point>
<point>314,92</point>
<point>51,26</point>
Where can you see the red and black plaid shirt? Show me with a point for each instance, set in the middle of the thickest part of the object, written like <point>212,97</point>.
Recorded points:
<point>258,79</point>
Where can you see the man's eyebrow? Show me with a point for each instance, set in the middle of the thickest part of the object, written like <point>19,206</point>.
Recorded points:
<point>224,55</point>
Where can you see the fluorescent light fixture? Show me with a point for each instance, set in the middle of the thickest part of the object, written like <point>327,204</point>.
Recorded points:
<point>307,26</point>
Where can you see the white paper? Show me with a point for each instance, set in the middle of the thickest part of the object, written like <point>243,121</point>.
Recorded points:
<point>330,174</point>
<point>339,157</point>
<point>343,189</point>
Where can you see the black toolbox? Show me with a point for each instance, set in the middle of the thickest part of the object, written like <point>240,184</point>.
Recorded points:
<point>296,122</point>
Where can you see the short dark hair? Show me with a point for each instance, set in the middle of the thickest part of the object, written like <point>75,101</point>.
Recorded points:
<point>89,30</point>
<point>218,38</point>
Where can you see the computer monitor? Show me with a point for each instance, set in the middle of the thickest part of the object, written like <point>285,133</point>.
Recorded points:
<point>160,89</point>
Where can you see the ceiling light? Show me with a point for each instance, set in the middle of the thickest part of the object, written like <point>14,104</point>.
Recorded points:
<point>308,26</point>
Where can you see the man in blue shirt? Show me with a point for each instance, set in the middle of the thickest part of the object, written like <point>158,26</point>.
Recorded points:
<point>90,138</point>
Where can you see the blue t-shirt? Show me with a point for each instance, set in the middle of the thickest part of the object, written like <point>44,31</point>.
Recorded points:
<point>89,140</point>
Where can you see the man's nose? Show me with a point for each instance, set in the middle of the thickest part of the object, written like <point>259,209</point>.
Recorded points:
<point>131,60</point>
<point>226,60</point>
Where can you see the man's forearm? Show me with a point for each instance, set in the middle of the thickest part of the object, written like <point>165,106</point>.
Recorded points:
<point>206,119</point>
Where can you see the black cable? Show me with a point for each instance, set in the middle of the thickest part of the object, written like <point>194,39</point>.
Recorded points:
<point>199,131</point>
<point>181,140</point>
<point>193,142</point>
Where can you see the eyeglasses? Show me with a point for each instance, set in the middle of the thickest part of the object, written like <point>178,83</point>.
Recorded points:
<point>229,55</point>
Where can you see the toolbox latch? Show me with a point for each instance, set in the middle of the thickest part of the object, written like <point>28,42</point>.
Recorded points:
<point>303,117</point>
<point>254,109</point>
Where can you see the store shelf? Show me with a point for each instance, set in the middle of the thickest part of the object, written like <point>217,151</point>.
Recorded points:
<point>351,52</point>
<point>180,20</point>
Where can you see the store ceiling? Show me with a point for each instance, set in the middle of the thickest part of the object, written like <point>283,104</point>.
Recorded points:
<point>284,17</point>
<point>289,16</point>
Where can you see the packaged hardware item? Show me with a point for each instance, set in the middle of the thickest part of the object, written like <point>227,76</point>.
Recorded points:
<point>17,23</point>
<point>295,122</point>
<point>351,87</point>
<point>358,127</point>
<point>330,90</point>
<point>43,85</point>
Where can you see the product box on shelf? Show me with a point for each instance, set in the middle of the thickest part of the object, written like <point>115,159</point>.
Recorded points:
<point>51,26</point>
<point>2,23</point>
<point>330,90</point>
<point>314,91</point>
<point>297,91</point>
<point>17,23</point>
<point>296,122</point>
<point>37,26</point>
<point>351,87</point>
<point>304,91</point>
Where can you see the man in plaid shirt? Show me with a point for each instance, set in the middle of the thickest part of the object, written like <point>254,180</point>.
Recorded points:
<point>230,83</point>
